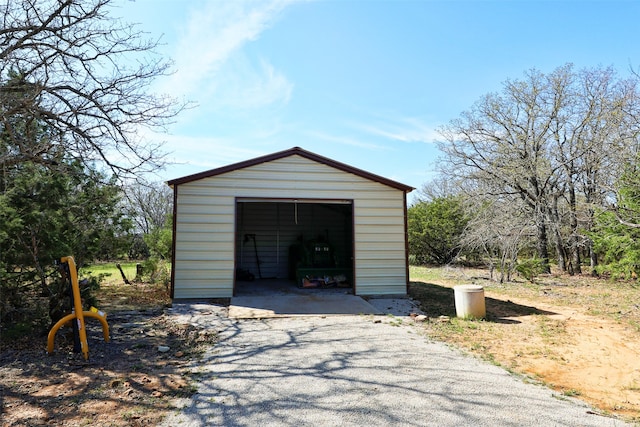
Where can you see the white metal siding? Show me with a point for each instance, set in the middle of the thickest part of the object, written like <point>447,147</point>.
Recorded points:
<point>205,224</point>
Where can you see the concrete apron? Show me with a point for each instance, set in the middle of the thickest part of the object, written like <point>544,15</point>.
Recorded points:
<point>263,306</point>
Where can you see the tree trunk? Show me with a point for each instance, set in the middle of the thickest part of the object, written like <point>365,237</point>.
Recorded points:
<point>573,224</point>
<point>575,254</point>
<point>564,262</point>
<point>560,252</point>
<point>542,244</point>
<point>593,257</point>
<point>124,278</point>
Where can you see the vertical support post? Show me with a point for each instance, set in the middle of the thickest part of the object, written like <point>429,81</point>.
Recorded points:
<point>77,305</point>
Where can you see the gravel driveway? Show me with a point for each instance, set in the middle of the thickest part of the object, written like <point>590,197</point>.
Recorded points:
<point>358,371</point>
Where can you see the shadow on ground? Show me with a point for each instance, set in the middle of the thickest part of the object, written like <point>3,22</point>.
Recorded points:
<point>436,300</point>
<point>126,381</point>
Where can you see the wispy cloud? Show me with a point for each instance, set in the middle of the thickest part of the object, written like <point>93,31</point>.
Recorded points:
<point>246,86</point>
<point>404,129</point>
<point>199,151</point>
<point>345,140</point>
<point>212,35</point>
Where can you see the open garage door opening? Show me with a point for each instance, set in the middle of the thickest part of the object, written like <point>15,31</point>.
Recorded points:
<point>293,245</point>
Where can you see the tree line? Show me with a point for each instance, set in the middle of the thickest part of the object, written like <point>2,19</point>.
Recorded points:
<point>544,169</point>
<point>74,96</point>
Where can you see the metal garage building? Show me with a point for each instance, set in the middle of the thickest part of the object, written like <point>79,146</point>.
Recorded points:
<point>292,216</point>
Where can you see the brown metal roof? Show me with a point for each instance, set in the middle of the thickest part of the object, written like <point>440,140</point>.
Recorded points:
<point>286,153</point>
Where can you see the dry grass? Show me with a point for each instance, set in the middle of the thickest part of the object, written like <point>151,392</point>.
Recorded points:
<point>577,334</point>
<point>138,296</point>
<point>114,294</point>
<point>126,381</point>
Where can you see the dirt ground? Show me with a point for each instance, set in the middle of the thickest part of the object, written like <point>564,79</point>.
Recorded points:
<point>126,381</point>
<point>580,337</point>
<point>573,335</point>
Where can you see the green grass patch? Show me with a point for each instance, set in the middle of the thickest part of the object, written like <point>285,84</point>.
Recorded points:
<point>425,274</point>
<point>114,294</point>
<point>571,392</point>
<point>110,271</point>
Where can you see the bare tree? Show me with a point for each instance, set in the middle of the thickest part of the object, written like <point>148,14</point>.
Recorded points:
<point>503,143</point>
<point>438,187</point>
<point>150,205</point>
<point>498,230</point>
<point>552,141</point>
<point>74,69</point>
<point>593,137</point>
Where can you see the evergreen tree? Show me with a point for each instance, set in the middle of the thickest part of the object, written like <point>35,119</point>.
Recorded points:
<point>51,205</point>
<point>616,236</point>
<point>435,228</point>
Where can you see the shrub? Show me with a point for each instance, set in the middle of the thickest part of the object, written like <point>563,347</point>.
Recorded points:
<point>530,268</point>
<point>156,270</point>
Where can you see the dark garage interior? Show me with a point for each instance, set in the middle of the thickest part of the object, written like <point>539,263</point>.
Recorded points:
<point>300,244</point>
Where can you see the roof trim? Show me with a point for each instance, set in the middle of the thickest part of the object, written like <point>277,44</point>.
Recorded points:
<point>286,153</point>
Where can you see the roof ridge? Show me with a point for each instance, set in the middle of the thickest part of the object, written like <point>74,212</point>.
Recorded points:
<point>287,153</point>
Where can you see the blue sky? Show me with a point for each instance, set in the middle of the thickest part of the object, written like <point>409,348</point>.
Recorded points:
<point>366,83</point>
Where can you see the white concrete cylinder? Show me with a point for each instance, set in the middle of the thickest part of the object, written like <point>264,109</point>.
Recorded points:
<point>469,301</point>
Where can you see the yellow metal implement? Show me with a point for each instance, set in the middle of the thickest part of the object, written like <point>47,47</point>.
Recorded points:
<point>77,314</point>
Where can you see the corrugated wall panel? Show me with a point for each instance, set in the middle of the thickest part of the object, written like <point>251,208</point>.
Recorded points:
<point>189,238</point>
<point>209,288</point>
<point>193,255</point>
<point>378,221</point>
<point>204,219</point>
<point>206,212</point>
<point>380,229</point>
<point>388,286</point>
<point>204,270</point>
<point>382,256</point>
<point>204,227</point>
<point>204,286</point>
<point>204,245</point>
<point>384,272</point>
